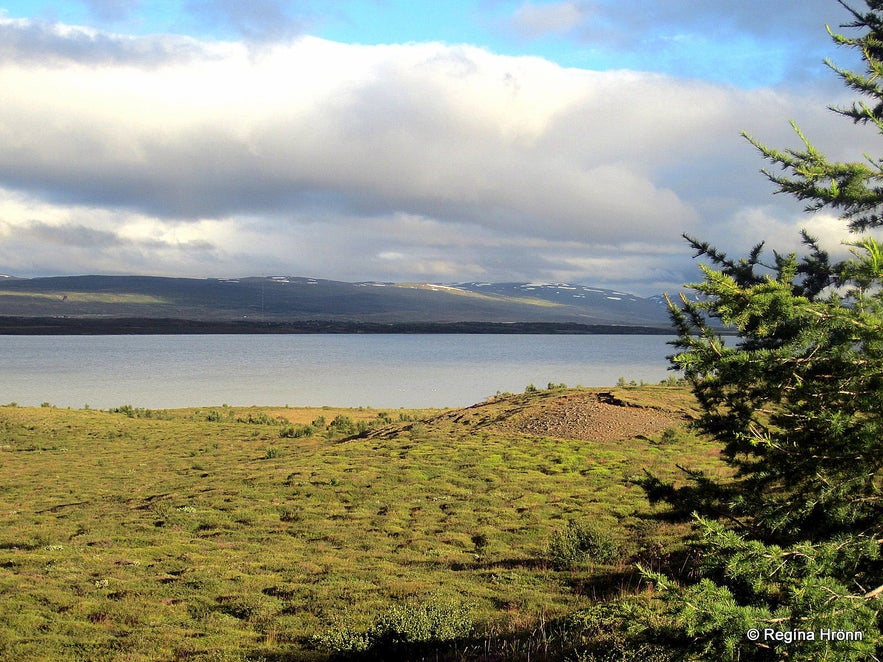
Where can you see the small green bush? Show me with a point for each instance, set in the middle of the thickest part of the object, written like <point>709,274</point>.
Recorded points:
<point>433,621</point>
<point>383,419</point>
<point>615,631</point>
<point>402,627</point>
<point>581,543</point>
<point>133,412</point>
<point>297,431</point>
<point>258,418</point>
<point>342,424</point>
<point>341,639</point>
<point>669,436</point>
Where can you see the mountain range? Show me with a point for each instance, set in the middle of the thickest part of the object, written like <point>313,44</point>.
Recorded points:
<point>311,304</point>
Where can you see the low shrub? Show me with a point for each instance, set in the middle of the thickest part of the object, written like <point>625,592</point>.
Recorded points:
<point>581,543</point>
<point>297,431</point>
<point>342,424</point>
<point>401,628</point>
<point>433,621</point>
<point>259,418</point>
<point>669,436</point>
<point>214,416</point>
<point>133,412</point>
<point>616,631</point>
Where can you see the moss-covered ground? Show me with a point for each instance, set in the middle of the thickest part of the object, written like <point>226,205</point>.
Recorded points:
<point>231,533</point>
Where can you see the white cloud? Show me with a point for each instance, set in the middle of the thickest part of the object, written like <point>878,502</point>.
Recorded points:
<point>399,128</point>
<point>782,233</point>
<point>318,158</point>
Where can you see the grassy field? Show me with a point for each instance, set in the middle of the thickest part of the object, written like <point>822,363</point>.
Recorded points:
<point>271,533</point>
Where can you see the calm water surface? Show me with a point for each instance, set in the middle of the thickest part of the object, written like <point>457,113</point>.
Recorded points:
<point>312,370</point>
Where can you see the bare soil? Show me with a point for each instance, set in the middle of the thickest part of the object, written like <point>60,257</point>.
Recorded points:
<point>594,416</point>
<point>586,414</point>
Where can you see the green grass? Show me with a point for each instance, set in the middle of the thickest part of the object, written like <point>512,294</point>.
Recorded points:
<point>188,534</point>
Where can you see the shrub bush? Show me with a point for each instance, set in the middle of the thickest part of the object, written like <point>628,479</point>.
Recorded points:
<point>133,412</point>
<point>214,416</point>
<point>669,436</point>
<point>342,424</point>
<point>424,622</point>
<point>401,628</point>
<point>258,418</point>
<point>297,431</point>
<point>581,543</point>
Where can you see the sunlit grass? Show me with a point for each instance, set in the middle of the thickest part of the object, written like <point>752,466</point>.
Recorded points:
<point>86,297</point>
<point>183,533</point>
<point>531,301</point>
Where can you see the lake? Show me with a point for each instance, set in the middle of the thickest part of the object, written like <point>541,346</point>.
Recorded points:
<point>387,371</point>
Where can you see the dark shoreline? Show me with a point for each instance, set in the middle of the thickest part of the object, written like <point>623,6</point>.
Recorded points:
<point>75,326</point>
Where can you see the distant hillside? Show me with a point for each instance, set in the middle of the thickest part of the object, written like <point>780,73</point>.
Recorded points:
<point>296,300</point>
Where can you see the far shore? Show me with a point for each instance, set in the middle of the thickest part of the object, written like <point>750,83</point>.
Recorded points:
<point>146,326</point>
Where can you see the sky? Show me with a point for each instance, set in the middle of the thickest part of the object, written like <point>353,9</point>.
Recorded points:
<point>391,140</point>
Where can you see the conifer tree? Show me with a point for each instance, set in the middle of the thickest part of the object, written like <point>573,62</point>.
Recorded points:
<point>790,547</point>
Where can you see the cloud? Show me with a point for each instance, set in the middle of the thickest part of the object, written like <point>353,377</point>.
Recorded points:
<point>67,235</point>
<point>399,162</point>
<point>40,238</point>
<point>452,132</point>
<point>25,43</point>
